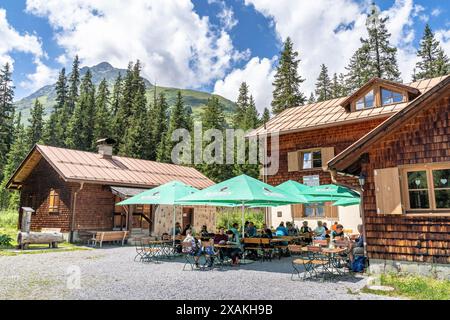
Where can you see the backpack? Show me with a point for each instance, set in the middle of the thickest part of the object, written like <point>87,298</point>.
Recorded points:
<point>359,264</point>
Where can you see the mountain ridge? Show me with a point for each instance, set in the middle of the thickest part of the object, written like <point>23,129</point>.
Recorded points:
<point>104,70</point>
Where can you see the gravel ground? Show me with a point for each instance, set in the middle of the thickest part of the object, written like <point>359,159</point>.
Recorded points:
<point>110,273</point>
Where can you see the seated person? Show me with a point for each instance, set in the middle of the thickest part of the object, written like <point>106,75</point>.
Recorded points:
<point>235,250</point>
<point>292,229</point>
<point>235,228</point>
<point>267,234</point>
<point>305,228</point>
<point>176,231</point>
<point>221,237</point>
<point>326,230</point>
<point>251,230</point>
<point>196,248</point>
<point>334,226</point>
<point>357,248</point>
<point>186,228</point>
<point>338,234</point>
<point>320,232</point>
<point>281,230</point>
<point>204,232</point>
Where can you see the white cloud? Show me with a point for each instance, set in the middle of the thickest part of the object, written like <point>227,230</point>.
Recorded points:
<point>175,45</point>
<point>323,32</point>
<point>258,73</point>
<point>436,12</point>
<point>226,15</point>
<point>12,41</point>
<point>443,36</point>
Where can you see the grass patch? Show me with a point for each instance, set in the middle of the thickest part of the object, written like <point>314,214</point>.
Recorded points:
<point>414,287</point>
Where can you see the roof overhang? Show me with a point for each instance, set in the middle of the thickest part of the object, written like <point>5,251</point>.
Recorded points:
<point>23,171</point>
<point>126,192</point>
<point>350,156</point>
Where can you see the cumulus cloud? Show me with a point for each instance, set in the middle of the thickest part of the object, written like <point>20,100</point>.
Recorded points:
<point>258,73</point>
<point>12,41</point>
<point>176,46</point>
<point>323,32</point>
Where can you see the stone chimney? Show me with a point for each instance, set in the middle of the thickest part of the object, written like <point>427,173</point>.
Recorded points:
<point>105,147</point>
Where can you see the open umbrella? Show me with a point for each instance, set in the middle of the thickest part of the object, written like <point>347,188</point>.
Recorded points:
<point>243,191</point>
<point>345,202</point>
<point>301,192</point>
<point>166,194</point>
<point>332,192</point>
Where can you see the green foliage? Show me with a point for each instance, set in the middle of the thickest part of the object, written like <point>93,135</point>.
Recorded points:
<point>376,57</point>
<point>5,240</point>
<point>433,62</point>
<point>6,114</point>
<point>8,220</point>
<point>35,130</point>
<point>324,90</point>
<point>228,216</point>
<point>103,120</point>
<point>415,287</point>
<point>287,82</point>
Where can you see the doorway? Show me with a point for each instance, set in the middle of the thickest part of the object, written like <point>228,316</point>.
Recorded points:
<point>188,216</point>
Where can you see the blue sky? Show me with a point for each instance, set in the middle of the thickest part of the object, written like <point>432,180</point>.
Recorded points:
<point>210,45</point>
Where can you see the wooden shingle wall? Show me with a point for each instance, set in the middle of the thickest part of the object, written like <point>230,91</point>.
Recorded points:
<point>410,237</point>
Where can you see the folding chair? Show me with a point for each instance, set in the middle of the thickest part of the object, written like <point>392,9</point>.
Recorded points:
<point>151,252</point>
<point>314,261</point>
<point>140,249</point>
<point>187,250</point>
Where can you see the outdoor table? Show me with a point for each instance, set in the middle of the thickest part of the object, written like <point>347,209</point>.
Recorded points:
<point>332,267</point>
<point>165,249</point>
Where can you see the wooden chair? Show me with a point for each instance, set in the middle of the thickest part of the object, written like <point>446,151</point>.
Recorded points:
<point>322,243</point>
<point>187,250</point>
<point>313,261</point>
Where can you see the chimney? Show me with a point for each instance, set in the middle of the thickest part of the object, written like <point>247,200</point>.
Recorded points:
<point>105,147</point>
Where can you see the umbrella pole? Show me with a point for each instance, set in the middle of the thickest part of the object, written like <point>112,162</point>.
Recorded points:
<point>243,229</point>
<point>174,222</point>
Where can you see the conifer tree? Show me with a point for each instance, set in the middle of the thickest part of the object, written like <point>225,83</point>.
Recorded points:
<point>433,61</point>
<point>323,85</point>
<point>179,119</point>
<point>16,154</point>
<point>6,114</point>
<point>35,130</point>
<point>287,82</point>
<point>265,116</point>
<point>158,126</point>
<point>311,99</point>
<point>125,108</point>
<point>251,116</point>
<point>116,95</point>
<point>74,83</point>
<point>81,126</point>
<point>241,105</point>
<point>376,57</point>
<point>102,123</point>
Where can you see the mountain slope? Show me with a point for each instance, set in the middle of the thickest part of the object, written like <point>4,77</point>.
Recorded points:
<point>46,95</point>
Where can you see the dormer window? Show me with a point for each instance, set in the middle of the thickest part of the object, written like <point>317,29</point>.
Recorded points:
<point>365,102</point>
<point>389,97</point>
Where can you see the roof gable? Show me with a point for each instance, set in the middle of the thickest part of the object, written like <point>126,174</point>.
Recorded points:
<point>351,155</point>
<point>75,165</point>
<point>331,113</point>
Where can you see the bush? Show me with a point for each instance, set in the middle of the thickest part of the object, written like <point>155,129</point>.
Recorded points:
<point>9,219</point>
<point>229,216</point>
<point>5,240</point>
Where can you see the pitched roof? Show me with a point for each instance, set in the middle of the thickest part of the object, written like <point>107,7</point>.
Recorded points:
<point>331,112</point>
<point>74,165</point>
<point>350,155</point>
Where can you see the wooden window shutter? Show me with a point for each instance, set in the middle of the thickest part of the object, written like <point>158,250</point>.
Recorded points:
<point>330,211</point>
<point>297,210</point>
<point>327,154</point>
<point>53,202</point>
<point>293,161</point>
<point>387,191</point>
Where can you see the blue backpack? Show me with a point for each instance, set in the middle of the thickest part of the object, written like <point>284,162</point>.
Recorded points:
<point>359,264</point>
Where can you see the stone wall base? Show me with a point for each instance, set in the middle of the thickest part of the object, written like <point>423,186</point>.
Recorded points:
<point>439,271</point>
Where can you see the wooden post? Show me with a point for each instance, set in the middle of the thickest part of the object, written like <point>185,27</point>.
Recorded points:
<point>130,217</point>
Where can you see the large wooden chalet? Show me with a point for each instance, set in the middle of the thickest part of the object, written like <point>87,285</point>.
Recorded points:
<point>400,128</point>
<point>77,191</point>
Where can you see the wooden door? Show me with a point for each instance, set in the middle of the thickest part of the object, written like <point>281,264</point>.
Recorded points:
<point>188,216</point>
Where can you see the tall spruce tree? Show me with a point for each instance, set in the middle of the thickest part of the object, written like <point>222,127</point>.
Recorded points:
<point>179,119</point>
<point>251,115</point>
<point>35,130</point>
<point>6,114</point>
<point>81,126</point>
<point>287,82</point>
<point>102,123</point>
<point>433,62</point>
<point>241,105</point>
<point>213,117</point>
<point>158,125</point>
<point>265,116</point>
<point>311,99</point>
<point>376,57</point>
<point>74,83</point>
<point>125,106</point>
<point>323,85</point>
<point>16,154</point>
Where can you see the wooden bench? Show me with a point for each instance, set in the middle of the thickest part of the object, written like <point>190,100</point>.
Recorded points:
<point>108,236</point>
